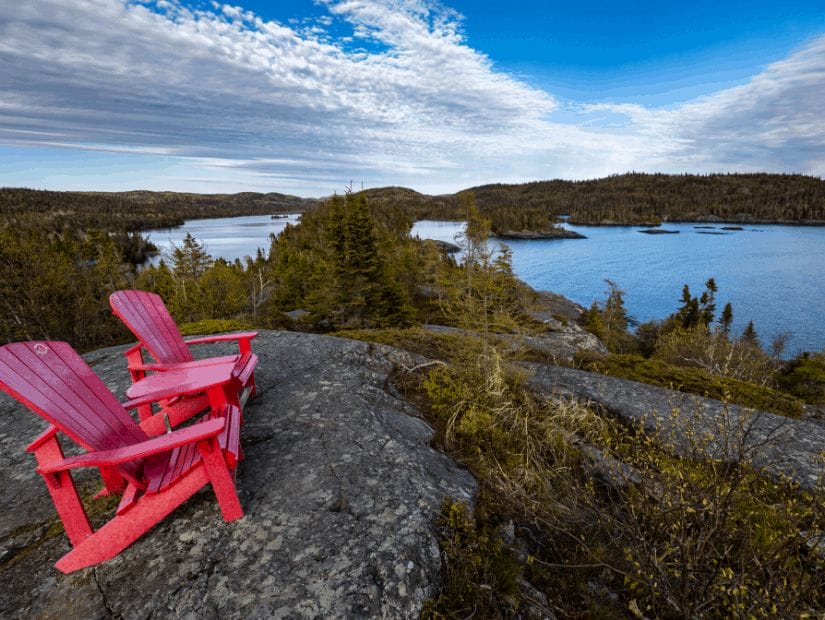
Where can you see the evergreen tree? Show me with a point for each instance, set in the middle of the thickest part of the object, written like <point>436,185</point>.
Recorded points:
<point>707,302</point>
<point>749,336</point>
<point>726,319</point>
<point>698,310</point>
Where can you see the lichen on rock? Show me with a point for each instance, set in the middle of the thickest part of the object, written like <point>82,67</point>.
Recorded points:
<point>340,489</point>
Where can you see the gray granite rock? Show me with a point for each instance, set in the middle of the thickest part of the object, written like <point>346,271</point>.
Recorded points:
<point>558,346</point>
<point>696,426</point>
<point>562,345</point>
<point>340,489</point>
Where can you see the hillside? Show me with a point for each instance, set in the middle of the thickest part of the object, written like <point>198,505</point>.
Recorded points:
<point>629,199</point>
<point>622,199</point>
<point>137,210</point>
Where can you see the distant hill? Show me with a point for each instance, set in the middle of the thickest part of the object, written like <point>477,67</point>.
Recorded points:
<point>136,210</point>
<point>622,199</point>
<point>645,198</point>
<point>628,199</point>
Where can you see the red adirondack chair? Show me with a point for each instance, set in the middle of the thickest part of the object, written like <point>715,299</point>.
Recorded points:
<point>155,474</point>
<point>147,317</point>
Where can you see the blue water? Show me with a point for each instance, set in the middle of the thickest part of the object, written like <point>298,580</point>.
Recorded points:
<point>225,237</point>
<point>773,275</point>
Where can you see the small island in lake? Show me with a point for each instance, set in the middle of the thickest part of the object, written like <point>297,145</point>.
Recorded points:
<point>659,231</point>
<point>553,233</point>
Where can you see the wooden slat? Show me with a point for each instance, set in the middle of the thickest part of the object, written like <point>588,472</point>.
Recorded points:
<point>54,381</point>
<point>245,367</point>
<point>78,397</point>
<point>148,318</point>
<point>176,349</point>
<point>28,376</point>
<point>117,424</point>
<point>180,463</point>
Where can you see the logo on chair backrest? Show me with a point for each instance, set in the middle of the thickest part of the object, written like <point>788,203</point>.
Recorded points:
<point>41,349</point>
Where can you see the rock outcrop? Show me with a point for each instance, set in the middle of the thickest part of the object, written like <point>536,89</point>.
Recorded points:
<point>340,489</point>
<point>558,346</point>
<point>777,445</point>
<point>554,233</point>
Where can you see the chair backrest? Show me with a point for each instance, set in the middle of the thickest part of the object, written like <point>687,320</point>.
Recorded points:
<point>146,316</point>
<point>52,380</point>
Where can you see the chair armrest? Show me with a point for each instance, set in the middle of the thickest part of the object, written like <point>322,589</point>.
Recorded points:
<point>166,367</point>
<point>156,445</point>
<point>148,399</point>
<point>222,338</point>
<point>42,438</point>
<point>145,367</point>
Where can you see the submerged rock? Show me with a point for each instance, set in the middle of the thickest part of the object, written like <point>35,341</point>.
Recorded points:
<point>339,487</point>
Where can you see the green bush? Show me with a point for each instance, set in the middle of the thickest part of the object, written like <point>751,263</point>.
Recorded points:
<point>212,326</point>
<point>481,576</point>
<point>805,378</point>
<point>692,381</point>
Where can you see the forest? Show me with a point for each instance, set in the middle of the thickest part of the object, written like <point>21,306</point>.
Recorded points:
<point>634,198</point>
<point>133,211</point>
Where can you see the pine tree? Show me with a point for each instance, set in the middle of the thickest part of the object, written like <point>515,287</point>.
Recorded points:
<point>726,319</point>
<point>749,336</point>
<point>707,302</point>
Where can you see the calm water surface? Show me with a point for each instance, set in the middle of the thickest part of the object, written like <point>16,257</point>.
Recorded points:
<point>774,275</point>
<point>225,237</point>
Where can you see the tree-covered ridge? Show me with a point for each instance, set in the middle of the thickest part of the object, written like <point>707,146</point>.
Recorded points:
<point>622,199</point>
<point>635,198</point>
<point>628,199</point>
<point>132,211</point>
<point>504,216</point>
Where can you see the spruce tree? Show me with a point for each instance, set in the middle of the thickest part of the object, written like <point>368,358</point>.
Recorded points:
<point>726,319</point>
<point>749,336</point>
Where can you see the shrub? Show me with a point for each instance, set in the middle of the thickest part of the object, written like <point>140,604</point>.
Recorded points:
<point>212,326</point>
<point>805,378</point>
<point>699,347</point>
<point>480,573</point>
<point>693,381</point>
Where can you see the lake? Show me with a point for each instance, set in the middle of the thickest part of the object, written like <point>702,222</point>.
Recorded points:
<point>773,275</point>
<point>224,237</point>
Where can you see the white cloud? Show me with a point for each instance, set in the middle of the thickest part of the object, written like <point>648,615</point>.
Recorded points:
<point>775,122</point>
<point>222,88</point>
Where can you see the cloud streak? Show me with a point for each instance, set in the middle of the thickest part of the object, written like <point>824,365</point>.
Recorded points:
<point>399,98</point>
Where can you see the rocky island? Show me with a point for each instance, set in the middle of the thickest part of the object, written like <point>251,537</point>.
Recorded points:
<point>554,233</point>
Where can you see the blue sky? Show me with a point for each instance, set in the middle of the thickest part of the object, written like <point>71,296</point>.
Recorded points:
<point>303,96</point>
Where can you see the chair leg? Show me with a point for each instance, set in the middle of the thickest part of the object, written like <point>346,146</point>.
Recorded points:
<point>69,507</point>
<point>223,483</point>
<point>254,390</point>
<point>64,493</point>
<point>124,529</point>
